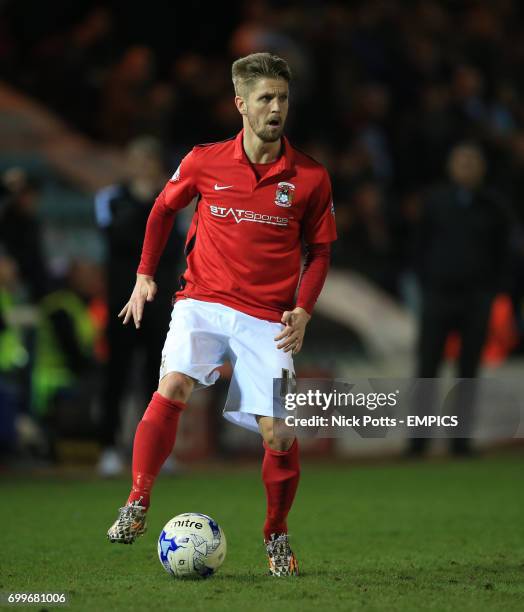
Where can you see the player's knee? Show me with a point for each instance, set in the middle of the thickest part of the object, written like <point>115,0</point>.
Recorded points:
<point>276,443</point>
<point>280,444</point>
<point>267,426</point>
<point>176,386</point>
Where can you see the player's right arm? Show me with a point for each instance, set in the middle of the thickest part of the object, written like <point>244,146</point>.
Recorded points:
<point>179,191</point>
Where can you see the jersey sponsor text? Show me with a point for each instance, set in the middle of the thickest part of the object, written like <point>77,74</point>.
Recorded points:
<point>247,215</point>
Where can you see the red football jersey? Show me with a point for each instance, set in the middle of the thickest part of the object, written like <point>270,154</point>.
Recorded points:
<point>244,245</point>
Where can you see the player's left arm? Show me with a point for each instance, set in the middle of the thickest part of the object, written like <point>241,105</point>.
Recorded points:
<point>319,231</point>
<point>316,266</point>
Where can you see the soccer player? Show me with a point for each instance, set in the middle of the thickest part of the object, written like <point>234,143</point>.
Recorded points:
<point>258,202</point>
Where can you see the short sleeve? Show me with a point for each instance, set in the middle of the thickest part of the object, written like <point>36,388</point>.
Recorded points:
<point>182,186</point>
<point>319,221</point>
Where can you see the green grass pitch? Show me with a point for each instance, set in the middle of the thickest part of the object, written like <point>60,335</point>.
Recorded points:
<point>434,536</point>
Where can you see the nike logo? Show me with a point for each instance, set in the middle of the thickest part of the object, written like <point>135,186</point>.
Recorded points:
<point>219,188</point>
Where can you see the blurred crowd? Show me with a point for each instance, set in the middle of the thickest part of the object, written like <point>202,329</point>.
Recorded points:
<point>383,93</point>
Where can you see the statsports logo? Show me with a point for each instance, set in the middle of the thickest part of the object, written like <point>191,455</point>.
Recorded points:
<point>240,215</point>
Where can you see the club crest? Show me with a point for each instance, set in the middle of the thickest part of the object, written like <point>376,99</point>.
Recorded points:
<point>284,195</point>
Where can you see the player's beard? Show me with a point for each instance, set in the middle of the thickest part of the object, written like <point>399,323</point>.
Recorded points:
<point>265,132</point>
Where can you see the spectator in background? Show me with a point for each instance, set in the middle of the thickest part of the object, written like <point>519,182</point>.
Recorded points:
<point>198,84</point>
<point>369,122</point>
<point>64,348</point>
<point>365,241</point>
<point>13,353</point>
<point>461,259</point>
<point>76,59</point>
<point>21,241</point>
<point>127,94</point>
<point>21,231</point>
<point>404,216</point>
<point>13,357</point>
<point>121,213</point>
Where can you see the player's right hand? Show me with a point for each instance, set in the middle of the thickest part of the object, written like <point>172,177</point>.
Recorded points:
<point>144,291</point>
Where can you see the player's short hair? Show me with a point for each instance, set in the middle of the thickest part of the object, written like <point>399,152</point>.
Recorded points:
<point>246,70</point>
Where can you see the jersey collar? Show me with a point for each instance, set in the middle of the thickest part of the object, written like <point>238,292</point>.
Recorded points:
<point>285,162</point>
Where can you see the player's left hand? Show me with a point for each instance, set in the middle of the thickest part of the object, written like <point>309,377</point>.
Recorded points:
<point>292,336</point>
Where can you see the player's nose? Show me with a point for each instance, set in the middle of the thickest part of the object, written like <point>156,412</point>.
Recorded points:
<point>276,106</point>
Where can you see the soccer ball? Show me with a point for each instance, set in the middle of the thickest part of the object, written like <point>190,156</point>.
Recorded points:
<point>192,545</point>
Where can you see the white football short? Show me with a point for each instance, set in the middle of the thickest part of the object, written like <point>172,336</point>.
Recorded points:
<point>203,335</point>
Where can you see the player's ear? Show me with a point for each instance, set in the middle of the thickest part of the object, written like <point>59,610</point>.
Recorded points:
<point>241,105</point>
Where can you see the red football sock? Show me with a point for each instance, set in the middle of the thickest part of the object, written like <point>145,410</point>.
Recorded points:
<point>154,440</point>
<point>280,473</point>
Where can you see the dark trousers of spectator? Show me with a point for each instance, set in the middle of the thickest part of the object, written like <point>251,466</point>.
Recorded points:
<point>124,343</point>
<point>468,313</point>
